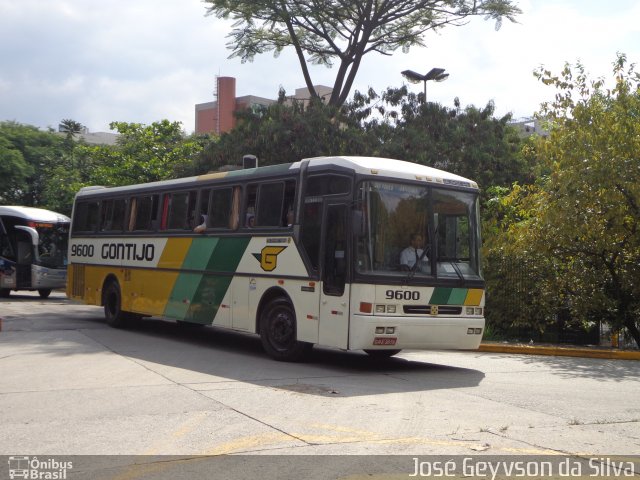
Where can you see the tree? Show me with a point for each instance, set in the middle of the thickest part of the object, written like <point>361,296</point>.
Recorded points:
<point>39,151</point>
<point>71,126</point>
<point>14,172</point>
<point>585,214</point>
<point>329,31</point>
<point>144,153</point>
<point>284,133</point>
<point>467,141</point>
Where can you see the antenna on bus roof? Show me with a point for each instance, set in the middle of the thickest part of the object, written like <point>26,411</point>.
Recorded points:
<point>249,161</point>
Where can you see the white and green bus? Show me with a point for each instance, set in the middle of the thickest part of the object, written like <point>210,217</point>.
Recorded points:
<point>33,250</point>
<point>305,253</point>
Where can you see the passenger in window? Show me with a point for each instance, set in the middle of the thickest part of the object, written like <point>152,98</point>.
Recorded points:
<point>251,221</point>
<point>289,218</point>
<point>413,253</point>
<point>202,226</point>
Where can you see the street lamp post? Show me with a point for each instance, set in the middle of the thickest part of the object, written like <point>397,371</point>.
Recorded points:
<point>436,74</point>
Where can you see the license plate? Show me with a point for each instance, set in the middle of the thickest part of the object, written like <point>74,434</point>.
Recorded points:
<point>385,341</point>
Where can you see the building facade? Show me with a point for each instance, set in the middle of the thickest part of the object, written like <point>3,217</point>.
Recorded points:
<point>219,116</point>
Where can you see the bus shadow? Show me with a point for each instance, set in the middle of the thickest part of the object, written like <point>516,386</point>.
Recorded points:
<point>212,356</point>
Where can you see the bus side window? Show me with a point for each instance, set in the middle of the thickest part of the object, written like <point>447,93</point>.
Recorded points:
<point>144,213</point>
<point>312,230</point>
<point>182,211</point>
<point>221,209</point>
<point>288,205</point>
<point>328,184</point>
<point>113,214</point>
<point>86,217</point>
<point>6,251</point>
<point>250,208</point>
<point>202,218</point>
<point>270,201</point>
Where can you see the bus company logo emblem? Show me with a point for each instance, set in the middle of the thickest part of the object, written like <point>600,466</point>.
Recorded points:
<point>268,257</point>
<point>434,310</point>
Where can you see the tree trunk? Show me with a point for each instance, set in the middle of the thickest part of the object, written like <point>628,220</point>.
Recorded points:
<point>632,328</point>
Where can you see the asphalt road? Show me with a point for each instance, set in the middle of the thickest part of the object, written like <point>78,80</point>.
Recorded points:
<point>71,385</point>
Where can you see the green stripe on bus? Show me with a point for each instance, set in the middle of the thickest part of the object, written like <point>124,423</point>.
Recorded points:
<point>224,257</point>
<point>440,296</point>
<point>199,253</point>
<point>208,298</point>
<point>196,297</point>
<point>458,296</point>
<point>448,296</point>
<point>182,295</point>
<point>227,254</point>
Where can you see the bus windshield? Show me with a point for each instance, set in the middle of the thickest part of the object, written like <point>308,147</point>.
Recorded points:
<point>417,231</point>
<point>52,245</point>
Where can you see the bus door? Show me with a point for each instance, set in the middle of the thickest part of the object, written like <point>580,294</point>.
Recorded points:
<point>24,255</point>
<point>334,297</point>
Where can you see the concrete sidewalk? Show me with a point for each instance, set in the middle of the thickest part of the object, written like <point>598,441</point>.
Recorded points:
<point>560,351</point>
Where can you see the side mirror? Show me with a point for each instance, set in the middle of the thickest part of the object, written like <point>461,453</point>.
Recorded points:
<point>33,234</point>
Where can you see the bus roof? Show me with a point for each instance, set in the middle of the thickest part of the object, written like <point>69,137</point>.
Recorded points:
<point>389,167</point>
<point>383,167</point>
<point>35,214</point>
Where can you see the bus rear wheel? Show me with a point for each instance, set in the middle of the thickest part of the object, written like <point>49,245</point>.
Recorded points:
<point>112,301</point>
<point>44,292</point>
<point>5,292</point>
<point>278,332</point>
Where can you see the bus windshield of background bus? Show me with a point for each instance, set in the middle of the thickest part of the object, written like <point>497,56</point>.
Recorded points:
<point>52,245</point>
<point>403,225</point>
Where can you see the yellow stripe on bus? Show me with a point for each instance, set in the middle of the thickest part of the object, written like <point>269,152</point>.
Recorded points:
<point>174,252</point>
<point>474,296</point>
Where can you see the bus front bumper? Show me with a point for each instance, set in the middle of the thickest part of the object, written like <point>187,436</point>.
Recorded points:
<point>368,332</point>
<point>43,277</point>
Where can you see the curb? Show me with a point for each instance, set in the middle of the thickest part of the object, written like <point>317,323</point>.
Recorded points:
<point>560,351</point>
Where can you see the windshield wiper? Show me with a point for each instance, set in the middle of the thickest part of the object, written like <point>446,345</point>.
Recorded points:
<point>415,267</point>
<point>458,271</point>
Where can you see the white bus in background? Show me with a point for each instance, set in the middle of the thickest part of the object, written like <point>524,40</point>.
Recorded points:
<point>33,250</point>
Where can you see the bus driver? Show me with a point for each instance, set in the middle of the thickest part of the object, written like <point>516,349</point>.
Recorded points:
<point>413,253</point>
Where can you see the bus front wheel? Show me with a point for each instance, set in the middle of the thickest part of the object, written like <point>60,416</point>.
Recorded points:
<point>278,332</point>
<point>112,300</point>
<point>44,292</point>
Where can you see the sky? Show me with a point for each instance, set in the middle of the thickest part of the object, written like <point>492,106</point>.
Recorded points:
<point>147,60</point>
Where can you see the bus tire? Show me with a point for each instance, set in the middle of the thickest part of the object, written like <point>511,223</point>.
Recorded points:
<point>44,292</point>
<point>382,353</point>
<point>278,332</point>
<point>5,292</point>
<point>112,301</point>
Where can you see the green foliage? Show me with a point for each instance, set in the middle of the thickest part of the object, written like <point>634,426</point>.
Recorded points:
<point>27,156</point>
<point>469,142</point>
<point>582,219</point>
<point>144,153</point>
<point>522,281</point>
<point>14,171</point>
<point>42,168</point>
<point>328,31</point>
<point>283,133</point>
